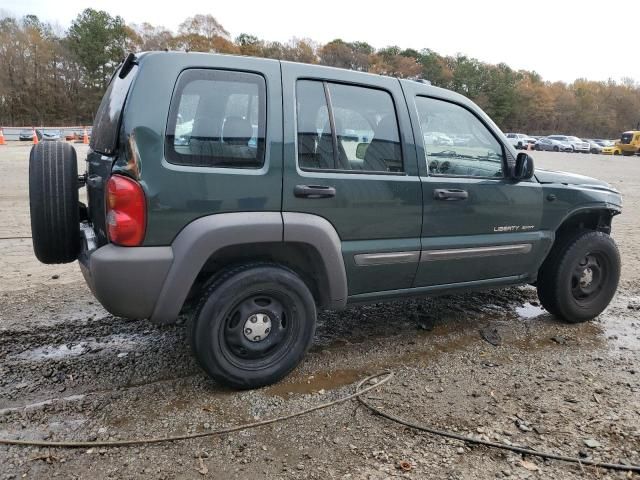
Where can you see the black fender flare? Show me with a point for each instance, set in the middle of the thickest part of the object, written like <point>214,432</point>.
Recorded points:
<point>200,239</point>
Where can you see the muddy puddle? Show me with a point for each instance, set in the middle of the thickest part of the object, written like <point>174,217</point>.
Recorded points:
<point>527,327</point>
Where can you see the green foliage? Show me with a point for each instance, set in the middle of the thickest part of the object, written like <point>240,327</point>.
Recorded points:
<point>97,42</point>
<point>60,80</point>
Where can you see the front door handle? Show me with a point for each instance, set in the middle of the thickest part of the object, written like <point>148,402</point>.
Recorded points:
<point>450,194</point>
<point>314,191</point>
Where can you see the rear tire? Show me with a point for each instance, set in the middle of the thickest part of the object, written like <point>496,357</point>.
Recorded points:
<point>53,202</point>
<point>580,276</point>
<point>253,325</point>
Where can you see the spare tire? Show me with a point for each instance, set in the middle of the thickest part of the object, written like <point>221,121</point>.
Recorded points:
<point>53,201</point>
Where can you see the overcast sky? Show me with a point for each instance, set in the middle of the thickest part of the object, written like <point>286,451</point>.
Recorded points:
<point>559,39</point>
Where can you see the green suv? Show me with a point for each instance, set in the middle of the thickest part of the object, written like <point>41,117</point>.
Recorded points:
<point>258,191</point>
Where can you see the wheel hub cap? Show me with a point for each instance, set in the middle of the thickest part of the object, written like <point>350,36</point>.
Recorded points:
<point>586,278</point>
<point>257,327</point>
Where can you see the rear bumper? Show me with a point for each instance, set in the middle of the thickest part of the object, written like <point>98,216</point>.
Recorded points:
<point>127,280</point>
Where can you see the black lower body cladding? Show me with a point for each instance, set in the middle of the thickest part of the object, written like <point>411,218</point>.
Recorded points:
<point>127,280</point>
<point>53,202</point>
<point>153,282</point>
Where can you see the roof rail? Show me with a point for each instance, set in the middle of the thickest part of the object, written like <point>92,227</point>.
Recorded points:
<point>423,80</point>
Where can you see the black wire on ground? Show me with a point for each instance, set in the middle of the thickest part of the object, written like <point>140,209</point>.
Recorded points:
<point>15,238</point>
<point>477,441</point>
<point>360,390</point>
<point>386,376</point>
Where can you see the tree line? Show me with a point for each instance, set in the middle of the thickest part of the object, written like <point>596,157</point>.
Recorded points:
<point>49,77</point>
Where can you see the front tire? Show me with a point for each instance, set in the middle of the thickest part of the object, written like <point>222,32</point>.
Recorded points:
<point>580,277</point>
<point>253,325</point>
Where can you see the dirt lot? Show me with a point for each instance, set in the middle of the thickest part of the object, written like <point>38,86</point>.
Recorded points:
<point>69,370</point>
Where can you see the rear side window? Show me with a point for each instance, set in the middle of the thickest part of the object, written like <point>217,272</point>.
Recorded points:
<point>346,128</point>
<point>217,119</point>
<point>106,125</point>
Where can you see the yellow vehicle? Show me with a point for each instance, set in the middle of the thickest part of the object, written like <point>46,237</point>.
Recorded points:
<point>610,149</point>
<point>629,143</point>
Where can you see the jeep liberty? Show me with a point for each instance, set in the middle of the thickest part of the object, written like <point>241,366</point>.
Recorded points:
<point>258,191</point>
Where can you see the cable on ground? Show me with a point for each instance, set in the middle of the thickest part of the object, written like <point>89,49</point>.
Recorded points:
<point>379,379</point>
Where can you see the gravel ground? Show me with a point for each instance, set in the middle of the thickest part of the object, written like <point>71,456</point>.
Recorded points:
<point>69,370</point>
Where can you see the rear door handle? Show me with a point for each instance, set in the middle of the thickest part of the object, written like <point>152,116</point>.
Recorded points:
<point>450,194</point>
<point>314,191</point>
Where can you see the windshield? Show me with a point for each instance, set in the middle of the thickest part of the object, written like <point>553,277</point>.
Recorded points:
<point>106,125</point>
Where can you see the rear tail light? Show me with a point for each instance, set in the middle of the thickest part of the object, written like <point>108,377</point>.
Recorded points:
<point>126,211</point>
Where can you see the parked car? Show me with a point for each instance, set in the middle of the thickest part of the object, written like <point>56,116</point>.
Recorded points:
<point>518,140</point>
<point>611,148</point>
<point>27,135</point>
<point>437,138</point>
<point>550,144</point>
<point>579,145</point>
<point>257,235</point>
<point>594,146</point>
<point>576,144</point>
<point>531,142</point>
<point>51,135</point>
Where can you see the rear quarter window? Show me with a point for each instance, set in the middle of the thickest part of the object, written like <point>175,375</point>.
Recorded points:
<point>217,118</point>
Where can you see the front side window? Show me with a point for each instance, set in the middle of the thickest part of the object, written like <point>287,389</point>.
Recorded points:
<point>456,142</point>
<point>217,119</point>
<point>346,128</point>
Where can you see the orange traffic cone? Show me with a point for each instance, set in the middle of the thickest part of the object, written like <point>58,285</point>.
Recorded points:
<point>2,142</point>
<point>35,136</point>
<point>85,137</point>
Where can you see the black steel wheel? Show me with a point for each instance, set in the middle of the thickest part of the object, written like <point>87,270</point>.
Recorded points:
<point>580,276</point>
<point>590,275</point>
<point>253,325</point>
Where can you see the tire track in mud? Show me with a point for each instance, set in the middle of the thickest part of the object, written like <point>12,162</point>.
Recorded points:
<point>104,353</point>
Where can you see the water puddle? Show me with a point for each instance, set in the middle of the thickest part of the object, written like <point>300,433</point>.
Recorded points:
<point>120,343</point>
<point>529,310</point>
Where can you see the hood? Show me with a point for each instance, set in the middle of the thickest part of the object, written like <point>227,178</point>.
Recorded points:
<point>550,176</point>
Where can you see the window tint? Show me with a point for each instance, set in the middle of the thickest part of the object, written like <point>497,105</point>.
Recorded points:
<point>456,142</point>
<point>362,134</point>
<point>217,119</point>
<point>315,141</point>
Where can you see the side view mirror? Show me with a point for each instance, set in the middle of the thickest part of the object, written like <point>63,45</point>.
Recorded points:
<point>523,169</point>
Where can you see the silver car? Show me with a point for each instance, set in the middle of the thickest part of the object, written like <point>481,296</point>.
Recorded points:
<point>51,135</point>
<point>594,146</point>
<point>577,145</point>
<point>553,145</point>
